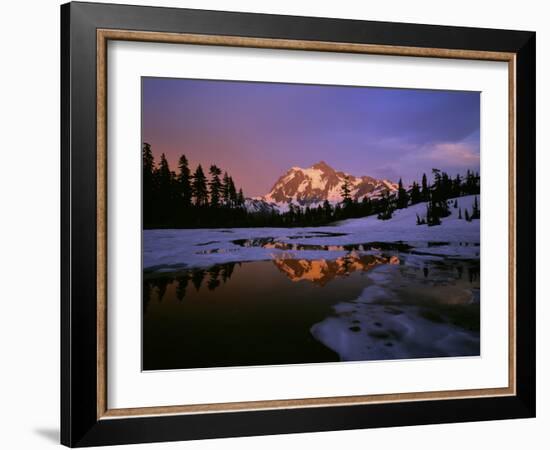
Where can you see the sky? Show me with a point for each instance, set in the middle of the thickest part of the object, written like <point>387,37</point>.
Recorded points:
<point>257,131</point>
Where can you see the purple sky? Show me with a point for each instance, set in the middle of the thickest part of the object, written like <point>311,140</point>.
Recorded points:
<point>257,131</point>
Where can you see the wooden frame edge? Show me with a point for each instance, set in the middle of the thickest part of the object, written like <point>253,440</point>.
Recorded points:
<point>101,223</point>
<point>103,35</point>
<point>290,44</point>
<point>512,269</point>
<point>304,403</point>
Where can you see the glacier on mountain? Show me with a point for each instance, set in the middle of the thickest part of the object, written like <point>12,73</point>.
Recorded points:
<point>320,182</point>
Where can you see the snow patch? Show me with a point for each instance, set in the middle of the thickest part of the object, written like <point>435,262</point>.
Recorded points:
<point>455,238</point>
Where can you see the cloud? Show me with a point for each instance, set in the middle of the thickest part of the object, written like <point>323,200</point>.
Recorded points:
<point>459,154</point>
<point>387,172</point>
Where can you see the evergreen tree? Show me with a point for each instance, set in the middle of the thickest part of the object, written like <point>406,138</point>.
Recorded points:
<point>366,207</point>
<point>425,189</point>
<point>416,196</point>
<point>346,192</point>
<point>337,211</point>
<point>386,207</point>
<point>385,214</point>
<point>164,176</point>
<point>240,198</point>
<point>307,215</point>
<point>184,181</point>
<point>327,210</point>
<point>460,213</point>
<point>437,179</point>
<point>455,204</point>
<point>298,213</point>
<point>148,166</point>
<point>165,203</point>
<point>475,210</point>
<point>432,216</point>
<point>232,192</point>
<point>402,196</point>
<point>457,186</point>
<point>320,210</point>
<point>225,189</point>
<point>439,206</point>
<point>200,190</point>
<point>471,184</point>
<point>148,163</point>
<point>291,214</point>
<point>215,185</point>
<point>467,216</point>
<point>446,185</point>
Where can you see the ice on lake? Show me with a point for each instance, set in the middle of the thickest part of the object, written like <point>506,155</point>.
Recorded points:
<point>362,289</point>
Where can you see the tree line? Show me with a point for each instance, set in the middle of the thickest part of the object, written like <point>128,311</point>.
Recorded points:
<point>444,188</point>
<point>436,195</point>
<point>187,199</point>
<point>193,199</point>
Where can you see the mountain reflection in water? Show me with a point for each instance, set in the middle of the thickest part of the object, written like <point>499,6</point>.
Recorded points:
<point>387,305</point>
<point>321,271</point>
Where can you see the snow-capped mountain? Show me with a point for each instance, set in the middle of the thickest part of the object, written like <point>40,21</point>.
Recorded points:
<point>321,182</point>
<point>258,205</point>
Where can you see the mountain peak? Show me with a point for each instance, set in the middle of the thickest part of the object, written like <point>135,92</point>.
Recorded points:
<point>321,165</point>
<point>321,182</point>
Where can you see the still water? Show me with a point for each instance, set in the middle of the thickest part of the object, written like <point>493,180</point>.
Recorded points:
<point>390,305</point>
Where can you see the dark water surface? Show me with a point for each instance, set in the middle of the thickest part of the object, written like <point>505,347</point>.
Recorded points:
<point>285,311</point>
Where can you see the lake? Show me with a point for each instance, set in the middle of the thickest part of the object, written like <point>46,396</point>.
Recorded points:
<point>375,302</point>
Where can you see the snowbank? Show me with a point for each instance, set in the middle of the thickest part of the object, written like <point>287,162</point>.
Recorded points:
<point>166,249</point>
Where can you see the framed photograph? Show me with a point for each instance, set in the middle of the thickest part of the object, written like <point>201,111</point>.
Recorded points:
<point>276,224</point>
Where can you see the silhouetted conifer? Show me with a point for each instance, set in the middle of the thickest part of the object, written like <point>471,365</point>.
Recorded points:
<point>215,185</point>
<point>425,189</point>
<point>402,196</point>
<point>184,182</point>
<point>200,191</point>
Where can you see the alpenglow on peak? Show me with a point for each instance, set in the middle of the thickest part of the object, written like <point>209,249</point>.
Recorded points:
<point>320,182</point>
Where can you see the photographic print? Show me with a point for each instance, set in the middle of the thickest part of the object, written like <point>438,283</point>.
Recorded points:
<point>297,224</point>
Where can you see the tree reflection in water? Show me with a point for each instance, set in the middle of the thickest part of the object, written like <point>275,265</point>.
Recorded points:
<point>375,306</point>
<point>215,276</point>
<point>319,271</point>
